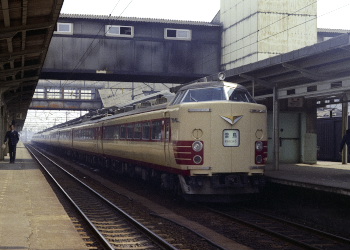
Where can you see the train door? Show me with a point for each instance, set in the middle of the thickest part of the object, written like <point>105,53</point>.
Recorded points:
<point>167,135</point>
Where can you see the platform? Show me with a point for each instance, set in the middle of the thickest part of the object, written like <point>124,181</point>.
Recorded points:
<point>326,176</point>
<point>31,216</point>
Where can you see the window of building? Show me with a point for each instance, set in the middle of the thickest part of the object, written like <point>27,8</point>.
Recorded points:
<point>53,93</point>
<point>70,94</point>
<point>86,94</point>
<point>177,34</point>
<point>64,29</point>
<point>39,93</point>
<point>121,31</point>
<point>326,38</point>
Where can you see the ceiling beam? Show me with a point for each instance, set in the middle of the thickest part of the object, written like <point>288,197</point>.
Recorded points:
<point>14,71</point>
<point>12,31</point>
<point>20,82</point>
<point>307,73</point>
<point>5,12</point>
<point>6,57</point>
<point>257,80</point>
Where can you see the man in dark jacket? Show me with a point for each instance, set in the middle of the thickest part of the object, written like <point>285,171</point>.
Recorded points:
<point>13,138</point>
<point>346,139</point>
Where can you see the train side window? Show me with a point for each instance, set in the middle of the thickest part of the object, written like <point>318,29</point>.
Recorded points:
<point>110,132</point>
<point>146,131</point>
<point>122,132</point>
<point>83,134</point>
<point>156,130</point>
<point>137,131</point>
<point>130,129</point>
<point>106,132</point>
<point>93,133</point>
<point>116,132</point>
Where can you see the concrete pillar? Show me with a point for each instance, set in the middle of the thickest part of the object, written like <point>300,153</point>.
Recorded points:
<point>344,128</point>
<point>276,134</point>
<point>2,126</point>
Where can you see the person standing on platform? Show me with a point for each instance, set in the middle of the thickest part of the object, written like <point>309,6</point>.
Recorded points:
<point>13,138</point>
<point>346,139</point>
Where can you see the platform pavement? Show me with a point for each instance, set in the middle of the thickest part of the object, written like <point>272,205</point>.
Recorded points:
<point>327,176</point>
<point>31,216</point>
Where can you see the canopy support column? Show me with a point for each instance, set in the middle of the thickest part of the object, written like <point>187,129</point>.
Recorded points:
<point>276,137</point>
<point>345,106</point>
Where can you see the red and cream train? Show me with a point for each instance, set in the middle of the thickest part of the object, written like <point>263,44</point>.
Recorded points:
<point>210,142</point>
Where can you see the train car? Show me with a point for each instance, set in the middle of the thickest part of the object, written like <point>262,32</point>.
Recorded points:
<point>209,142</point>
<point>65,139</point>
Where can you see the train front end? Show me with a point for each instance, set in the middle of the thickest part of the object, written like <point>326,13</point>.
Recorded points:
<point>219,136</point>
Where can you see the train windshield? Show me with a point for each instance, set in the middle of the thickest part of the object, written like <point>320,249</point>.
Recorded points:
<point>239,95</point>
<point>213,94</point>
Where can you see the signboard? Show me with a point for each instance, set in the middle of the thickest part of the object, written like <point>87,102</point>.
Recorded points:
<point>231,138</point>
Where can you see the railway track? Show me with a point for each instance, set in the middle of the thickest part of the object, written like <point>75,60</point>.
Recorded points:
<point>299,235</point>
<point>268,233</point>
<point>114,227</point>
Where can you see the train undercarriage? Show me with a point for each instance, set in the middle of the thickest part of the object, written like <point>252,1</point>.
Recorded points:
<point>215,188</point>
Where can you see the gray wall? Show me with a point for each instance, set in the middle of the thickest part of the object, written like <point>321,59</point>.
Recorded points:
<point>145,57</point>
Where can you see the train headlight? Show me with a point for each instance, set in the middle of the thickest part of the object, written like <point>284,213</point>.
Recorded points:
<point>259,159</point>
<point>259,146</point>
<point>197,146</point>
<point>197,159</point>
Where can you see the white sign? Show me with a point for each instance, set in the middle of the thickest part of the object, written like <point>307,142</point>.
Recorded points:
<point>231,138</point>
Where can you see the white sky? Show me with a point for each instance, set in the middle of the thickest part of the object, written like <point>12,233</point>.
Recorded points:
<point>331,13</point>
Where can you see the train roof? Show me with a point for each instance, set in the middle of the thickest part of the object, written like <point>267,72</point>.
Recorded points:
<point>212,84</point>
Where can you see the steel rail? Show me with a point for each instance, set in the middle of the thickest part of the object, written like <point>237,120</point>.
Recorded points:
<point>156,238</point>
<point>280,235</point>
<point>313,230</point>
<point>101,237</point>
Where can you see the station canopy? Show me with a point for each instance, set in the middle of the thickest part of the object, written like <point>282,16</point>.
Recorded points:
<point>319,71</point>
<point>26,29</point>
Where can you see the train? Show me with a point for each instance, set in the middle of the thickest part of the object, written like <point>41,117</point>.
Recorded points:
<point>208,142</point>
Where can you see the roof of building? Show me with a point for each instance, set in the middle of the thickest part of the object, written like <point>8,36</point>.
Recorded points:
<point>136,19</point>
<point>326,30</point>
